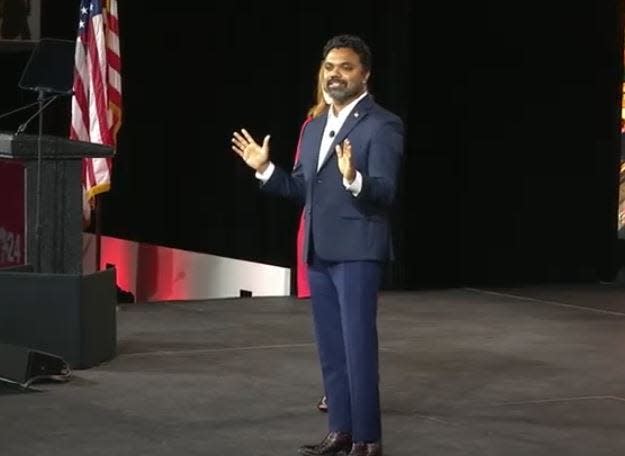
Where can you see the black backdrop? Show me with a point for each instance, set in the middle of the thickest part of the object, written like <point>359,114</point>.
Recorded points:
<point>511,109</point>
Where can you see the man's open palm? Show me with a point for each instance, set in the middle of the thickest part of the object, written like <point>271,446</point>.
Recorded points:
<point>254,155</point>
<point>345,161</point>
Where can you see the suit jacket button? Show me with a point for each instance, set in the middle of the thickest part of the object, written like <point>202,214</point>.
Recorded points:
<point>319,181</point>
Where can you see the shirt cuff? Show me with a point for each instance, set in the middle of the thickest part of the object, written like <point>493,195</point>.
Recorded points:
<point>356,186</point>
<point>266,175</point>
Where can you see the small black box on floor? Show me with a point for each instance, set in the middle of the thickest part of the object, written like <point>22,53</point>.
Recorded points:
<point>23,365</point>
<point>69,315</point>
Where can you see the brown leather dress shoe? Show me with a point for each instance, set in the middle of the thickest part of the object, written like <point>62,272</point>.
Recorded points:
<point>366,449</point>
<point>334,444</point>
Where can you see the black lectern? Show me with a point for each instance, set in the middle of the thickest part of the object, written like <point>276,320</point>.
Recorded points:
<point>53,197</point>
<point>47,303</point>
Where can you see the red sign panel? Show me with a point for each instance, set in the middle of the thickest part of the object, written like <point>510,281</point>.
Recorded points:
<point>12,214</point>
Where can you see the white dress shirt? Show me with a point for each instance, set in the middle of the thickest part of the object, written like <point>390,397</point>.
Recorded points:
<point>334,123</point>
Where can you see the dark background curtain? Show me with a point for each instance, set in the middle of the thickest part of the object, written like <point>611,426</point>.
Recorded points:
<point>511,113</point>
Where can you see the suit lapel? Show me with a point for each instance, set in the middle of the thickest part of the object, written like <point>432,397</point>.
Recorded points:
<point>359,112</point>
<point>315,130</point>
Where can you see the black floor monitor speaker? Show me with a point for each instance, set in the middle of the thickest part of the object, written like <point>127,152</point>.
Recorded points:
<point>72,316</point>
<point>23,366</point>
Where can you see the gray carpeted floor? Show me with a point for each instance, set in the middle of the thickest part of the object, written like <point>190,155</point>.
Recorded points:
<point>535,371</point>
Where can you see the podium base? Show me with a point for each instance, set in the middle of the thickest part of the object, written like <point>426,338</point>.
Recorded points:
<point>68,315</point>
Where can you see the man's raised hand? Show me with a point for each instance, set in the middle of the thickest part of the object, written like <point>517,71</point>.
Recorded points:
<point>345,162</point>
<point>254,155</point>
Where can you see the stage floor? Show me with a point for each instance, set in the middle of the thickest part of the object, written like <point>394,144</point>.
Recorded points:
<point>529,371</point>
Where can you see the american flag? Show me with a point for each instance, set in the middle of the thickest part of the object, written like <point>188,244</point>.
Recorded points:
<point>96,103</point>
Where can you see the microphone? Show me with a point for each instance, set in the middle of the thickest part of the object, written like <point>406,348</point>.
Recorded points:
<point>23,126</point>
<point>21,108</point>
<point>331,134</point>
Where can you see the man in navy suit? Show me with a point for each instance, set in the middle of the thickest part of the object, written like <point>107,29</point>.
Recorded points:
<point>346,177</point>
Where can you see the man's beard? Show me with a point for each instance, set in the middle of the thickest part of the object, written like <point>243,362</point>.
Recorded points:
<point>343,92</point>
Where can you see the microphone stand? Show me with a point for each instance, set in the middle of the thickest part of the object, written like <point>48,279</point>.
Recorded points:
<point>22,108</point>
<point>43,103</point>
<point>38,197</point>
<point>42,106</point>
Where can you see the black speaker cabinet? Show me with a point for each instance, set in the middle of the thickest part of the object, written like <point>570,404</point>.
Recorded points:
<point>69,315</point>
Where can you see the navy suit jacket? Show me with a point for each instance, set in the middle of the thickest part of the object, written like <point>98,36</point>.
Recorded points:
<point>342,227</point>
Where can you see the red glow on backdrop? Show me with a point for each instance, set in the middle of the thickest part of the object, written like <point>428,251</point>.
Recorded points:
<point>121,254</point>
<point>155,273</point>
<point>145,270</point>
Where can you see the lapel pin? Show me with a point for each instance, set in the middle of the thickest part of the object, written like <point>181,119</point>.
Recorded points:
<point>356,115</point>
